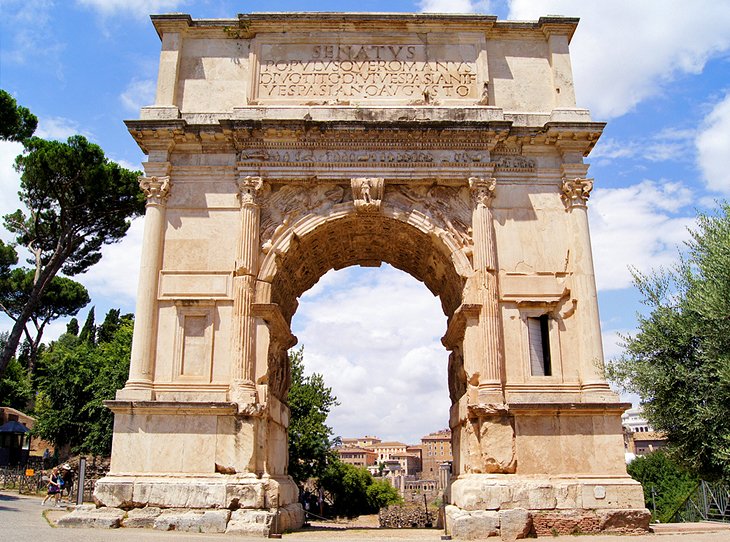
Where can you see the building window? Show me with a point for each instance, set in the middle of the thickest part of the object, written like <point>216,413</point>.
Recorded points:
<point>538,331</point>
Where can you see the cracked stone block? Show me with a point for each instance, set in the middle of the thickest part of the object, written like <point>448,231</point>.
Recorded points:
<point>99,518</point>
<point>142,517</point>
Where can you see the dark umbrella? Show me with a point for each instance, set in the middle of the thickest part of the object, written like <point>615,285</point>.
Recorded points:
<point>13,427</point>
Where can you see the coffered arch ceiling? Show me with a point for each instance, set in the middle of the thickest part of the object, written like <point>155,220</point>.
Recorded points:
<point>366,240</point>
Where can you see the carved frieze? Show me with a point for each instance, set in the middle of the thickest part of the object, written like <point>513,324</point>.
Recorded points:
<point>367,193</point>
<point>359,157</point>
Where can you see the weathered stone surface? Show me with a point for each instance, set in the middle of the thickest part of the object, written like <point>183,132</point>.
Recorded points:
<point>245,495</point>
<point>179,494</point>
<point>142,517</point>
<point>464,525</point>
<point>250,523</point>
<point>289,517</point>
<point>114,493</point>
<point>514,524</point>
<point>195,521</point>
<point>565,522</point>
<point>624,521</point>
<point>101,518</point>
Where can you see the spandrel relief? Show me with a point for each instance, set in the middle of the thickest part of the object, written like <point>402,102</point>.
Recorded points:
<point>283,206</point>
<point>448,207</point>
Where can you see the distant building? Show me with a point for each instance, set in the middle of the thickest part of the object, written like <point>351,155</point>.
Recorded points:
<point>363,442</point>
<point>435,449</point>
<point>356,456</point>
<point>639,436</point>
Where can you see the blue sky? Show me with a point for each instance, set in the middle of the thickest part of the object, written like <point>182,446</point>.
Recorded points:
<point>658,71</point>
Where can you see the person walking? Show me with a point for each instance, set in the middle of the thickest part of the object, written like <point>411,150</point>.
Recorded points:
<point>54,487</point>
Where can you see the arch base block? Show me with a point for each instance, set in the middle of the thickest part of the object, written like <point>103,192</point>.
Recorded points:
<point>489,505</point>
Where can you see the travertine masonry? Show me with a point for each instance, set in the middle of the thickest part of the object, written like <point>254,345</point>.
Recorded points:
<point>281,146</point>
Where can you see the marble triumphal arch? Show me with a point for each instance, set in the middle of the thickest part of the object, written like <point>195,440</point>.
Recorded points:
<point>281,146</point>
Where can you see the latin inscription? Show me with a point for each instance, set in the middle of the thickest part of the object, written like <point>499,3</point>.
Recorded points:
<point>366,72</point>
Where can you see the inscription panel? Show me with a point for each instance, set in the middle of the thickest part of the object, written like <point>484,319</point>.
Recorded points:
<point>391,69</point>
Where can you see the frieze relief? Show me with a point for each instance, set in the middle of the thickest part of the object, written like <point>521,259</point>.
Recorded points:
<point>378,158</point>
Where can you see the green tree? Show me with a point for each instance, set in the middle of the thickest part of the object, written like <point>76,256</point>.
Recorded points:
<point>310,439</point>
<point>666,484</point>
<point>62,297</point>
<point>354,491</point>
<point>16,390</point>
<point>74,377</point>
<point>16,122</point>
<point>77,201</point>
<point>679,361</point>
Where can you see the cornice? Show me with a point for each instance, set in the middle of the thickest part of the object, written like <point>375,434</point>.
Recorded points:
<point>248,25</point>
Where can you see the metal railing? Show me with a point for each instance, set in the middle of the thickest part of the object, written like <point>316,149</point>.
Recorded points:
<point>709,502</point>
<point>15,478</point>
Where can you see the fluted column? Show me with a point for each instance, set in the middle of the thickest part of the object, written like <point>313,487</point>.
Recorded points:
<point>485,265</point>
<point>141,365</point>
<point>243,388</point>
<point>575,194</point>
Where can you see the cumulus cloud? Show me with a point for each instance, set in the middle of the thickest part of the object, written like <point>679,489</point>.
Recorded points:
<point>455,6</point>
<point>641,226</point>
<point>115,277</point>
<point>59,128</point>
<point>135,8</point>
<point>374,334</point>
<point>713,147</point>
<point>138,94</point>
<point>626,51</point>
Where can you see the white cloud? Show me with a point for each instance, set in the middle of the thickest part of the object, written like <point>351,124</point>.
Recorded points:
<point>641,226</point>
<point>713,147</point>
<point>136,8</point>
<point>627,51</point>
<point>374,334</point>
<point>669,144</point>
<point>9,181</point>
<point>455,6</point>
<point>115,277</point>
<point>59,128</point>
<point>138,94</point>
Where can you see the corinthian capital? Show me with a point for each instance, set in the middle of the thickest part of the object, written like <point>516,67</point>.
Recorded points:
<point>482,190</point>
<point>156,189</point>
<point>249,188</point>
<point>575,192</point>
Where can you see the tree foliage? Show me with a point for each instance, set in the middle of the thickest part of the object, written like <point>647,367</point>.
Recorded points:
<point>679,361</point>
<point>16,122</point>
<point>354,491</point>
<point>310,439</point>
<point>75,375</point>
<point>16,389</point>
<point>62,297</point>
<point>666,484</point>
<point>76,201</point>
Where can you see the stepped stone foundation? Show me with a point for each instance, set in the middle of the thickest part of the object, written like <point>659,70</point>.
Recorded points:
<point>281,146</point>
